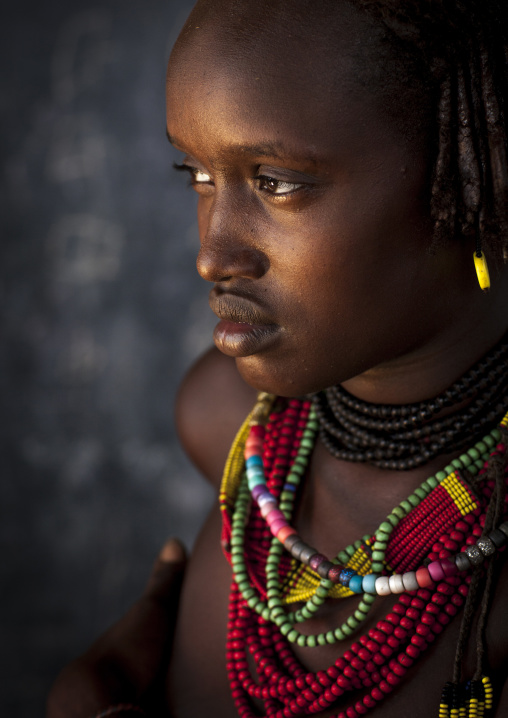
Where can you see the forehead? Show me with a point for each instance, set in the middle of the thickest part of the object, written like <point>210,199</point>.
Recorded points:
<point>300,68</point>
<point>298,38</point>
<point>278,58</point>
<point>251,22</point>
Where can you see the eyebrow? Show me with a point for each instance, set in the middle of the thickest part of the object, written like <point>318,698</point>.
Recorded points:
<point>263,149</point>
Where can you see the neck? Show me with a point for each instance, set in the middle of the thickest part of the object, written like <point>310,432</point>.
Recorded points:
<point>426,372</point>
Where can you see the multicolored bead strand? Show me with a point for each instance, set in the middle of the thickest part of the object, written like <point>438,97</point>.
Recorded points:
<point>372,583</point>
<point>397,583</point>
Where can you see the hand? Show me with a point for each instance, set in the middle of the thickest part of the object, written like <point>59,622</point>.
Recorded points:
<point>127,663</point>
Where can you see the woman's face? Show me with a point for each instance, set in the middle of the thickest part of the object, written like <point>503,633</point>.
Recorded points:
<point>312,207</point>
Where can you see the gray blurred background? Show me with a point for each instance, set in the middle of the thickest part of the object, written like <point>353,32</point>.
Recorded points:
<point>102,311</point>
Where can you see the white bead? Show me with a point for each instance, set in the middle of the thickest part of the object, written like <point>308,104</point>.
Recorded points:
<point>383,586</point>
<point>409,581</point>
<point>267,507</point>
<point>264,498</point>
<point>395,583</point>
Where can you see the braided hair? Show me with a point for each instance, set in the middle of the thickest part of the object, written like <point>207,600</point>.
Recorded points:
<point>458,50</point>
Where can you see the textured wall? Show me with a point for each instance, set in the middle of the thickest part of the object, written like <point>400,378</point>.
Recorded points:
<point>102,311</point>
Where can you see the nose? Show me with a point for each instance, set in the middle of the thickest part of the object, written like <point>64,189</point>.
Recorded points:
<point>228,241</point>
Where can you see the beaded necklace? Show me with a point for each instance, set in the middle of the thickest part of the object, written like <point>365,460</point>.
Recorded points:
<point>404,436</point>
<point>441,517</point>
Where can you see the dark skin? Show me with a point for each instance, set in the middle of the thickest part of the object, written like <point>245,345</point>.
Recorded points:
<point>197,677</point>
<point>321,260</point>
<point>314,228</point>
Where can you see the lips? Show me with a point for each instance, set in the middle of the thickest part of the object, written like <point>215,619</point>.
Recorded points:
<point>244,328</point>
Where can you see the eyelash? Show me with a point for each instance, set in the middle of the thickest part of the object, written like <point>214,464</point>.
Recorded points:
<point>260,179</point>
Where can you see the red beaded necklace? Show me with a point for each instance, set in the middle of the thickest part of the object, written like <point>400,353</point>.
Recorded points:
<point>376,662</point>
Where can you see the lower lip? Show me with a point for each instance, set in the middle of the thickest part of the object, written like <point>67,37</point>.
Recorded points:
<point>241,340</point>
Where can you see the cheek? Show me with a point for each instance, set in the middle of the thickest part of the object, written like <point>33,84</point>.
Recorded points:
<point>328,268</point>
<point>344,279</point>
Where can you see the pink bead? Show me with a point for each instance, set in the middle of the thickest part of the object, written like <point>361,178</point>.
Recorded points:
<point>423,577</point>
<point>275,515</point>
<point>251,451</point>
<point>436,571</point>
<point>277,525</point>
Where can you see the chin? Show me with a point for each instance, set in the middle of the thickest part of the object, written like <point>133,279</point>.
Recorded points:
<point>267,376</point>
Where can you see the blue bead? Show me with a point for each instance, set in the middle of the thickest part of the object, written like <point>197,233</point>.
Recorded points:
<point>369,583</point>
<point>355,584</point>
<point>346,575</point>
<point>254,461</point>
<point>289,487</point>
<point>254,471</point>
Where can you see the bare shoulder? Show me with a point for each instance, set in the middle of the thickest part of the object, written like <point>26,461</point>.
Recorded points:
<point>211,405</point>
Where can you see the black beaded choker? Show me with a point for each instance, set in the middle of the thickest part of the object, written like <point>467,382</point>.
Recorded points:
<point>403,436</point>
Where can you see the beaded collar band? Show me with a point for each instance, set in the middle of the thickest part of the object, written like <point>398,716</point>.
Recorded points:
<point>405,436</point>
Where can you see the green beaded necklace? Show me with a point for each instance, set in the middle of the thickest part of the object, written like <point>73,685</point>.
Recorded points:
<point>272,608</point>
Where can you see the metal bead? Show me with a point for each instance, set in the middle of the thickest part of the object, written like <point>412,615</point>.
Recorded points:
<point>475,555</point>
<point>498,538</point>
<point>297,548</point>
<point>307,553</point>
<point>291,540</point>
<point>486,546</point>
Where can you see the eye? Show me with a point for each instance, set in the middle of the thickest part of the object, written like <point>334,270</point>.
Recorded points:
<point>197,177</point>
<point>277,187</point>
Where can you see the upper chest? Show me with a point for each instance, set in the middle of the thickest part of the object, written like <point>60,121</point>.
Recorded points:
<point>329,515</point>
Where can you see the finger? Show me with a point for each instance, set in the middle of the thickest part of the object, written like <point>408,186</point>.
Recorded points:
<point>173,551</point>
<point>167,573</point>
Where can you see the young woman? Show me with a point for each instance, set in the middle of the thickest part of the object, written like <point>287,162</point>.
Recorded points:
<point>351,170</point>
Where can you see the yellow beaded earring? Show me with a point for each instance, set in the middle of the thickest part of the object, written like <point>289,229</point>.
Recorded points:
<point>482,270</point>
<point>480,261</point>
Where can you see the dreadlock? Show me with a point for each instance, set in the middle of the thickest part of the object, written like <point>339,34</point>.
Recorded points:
<point>461,49</point>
